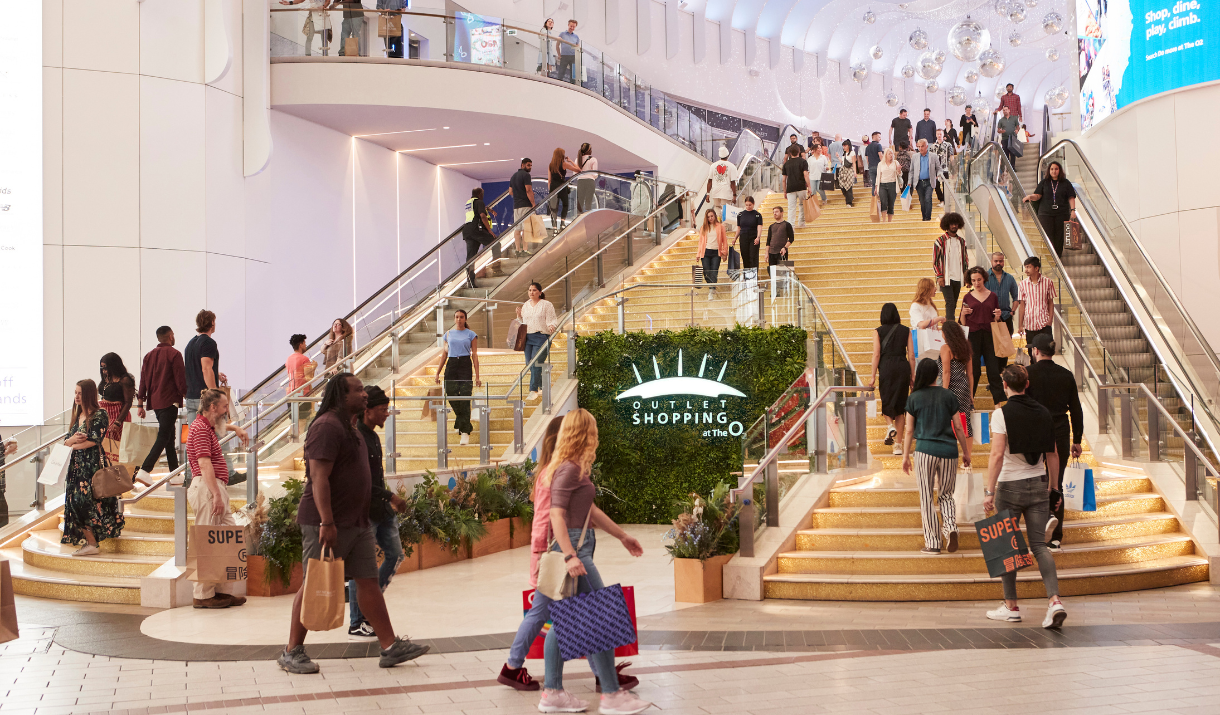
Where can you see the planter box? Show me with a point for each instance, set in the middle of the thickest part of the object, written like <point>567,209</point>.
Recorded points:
<point>698,581</point>
<point>410,563</point>
<point>496,540</point>
<point>521,533</point>
<point>433,553</point>
<point>260,583</point>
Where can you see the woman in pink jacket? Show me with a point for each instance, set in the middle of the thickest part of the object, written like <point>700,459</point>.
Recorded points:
<point>713,248</point>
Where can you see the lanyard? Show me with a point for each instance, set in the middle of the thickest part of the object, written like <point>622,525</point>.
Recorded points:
<point>1054,194</point>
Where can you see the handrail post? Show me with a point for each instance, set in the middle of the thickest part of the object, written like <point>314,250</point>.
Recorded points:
<point>391,438</point>
<point>1191,464</point>
<point>395,358</point>
<point>1103,403</point>
<point>484,407</point>
<point>745,527</point>
<point>294,421</point>
<point>567,293</point>
<point>1081,377</point>
<point>1154,429</point>
<point>180,518</point>
<point>518,426</point>
<point>622,314</point>
<point>440,322</point>
<point>762,310</point>
<point>1124,411</point>
<point>488,310</point>
<point>572,352</point>
<point>179,444</point>
<point>442,433</point>
<point>546,388</point>
<point>773,493</point>
<point>601,280</point>
<point>862,431</point>
<point>849,431</point>
<point>40,489</point>
<point>692,307</point>
<point>251,459</point>
<point>822,446</point>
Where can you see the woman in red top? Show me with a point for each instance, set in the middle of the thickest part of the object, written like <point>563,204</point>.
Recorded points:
<point>981,308</point>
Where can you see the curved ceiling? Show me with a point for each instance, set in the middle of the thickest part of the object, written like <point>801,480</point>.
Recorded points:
<point>835,30</point>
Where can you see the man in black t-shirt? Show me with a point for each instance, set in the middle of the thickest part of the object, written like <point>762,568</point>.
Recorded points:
<point>779,237</point>
<point>873,152</point>
<point>900,130</point>
<point>748,223</point>
<point>202,359</point>
<point>522,186</point>
<point>796,181</point>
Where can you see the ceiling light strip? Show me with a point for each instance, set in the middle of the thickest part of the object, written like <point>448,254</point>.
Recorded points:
<point>436,148</point>
<point>490,161</point>
<point>404,131</point>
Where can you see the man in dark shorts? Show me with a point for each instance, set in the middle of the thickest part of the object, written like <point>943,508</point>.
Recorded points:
<point>334,513</point>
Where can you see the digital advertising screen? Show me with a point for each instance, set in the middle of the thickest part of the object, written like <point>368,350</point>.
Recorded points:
<point>1132,49</point>
<point>479,39</point>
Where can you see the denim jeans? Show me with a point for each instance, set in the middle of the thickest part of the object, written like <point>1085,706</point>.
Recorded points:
<point>601,663</point>
<point>924,188</point>
<point>711,266</point>
<point>386,533</point>
<point>1029,499</point>
<point>534,343</point>
<point>531,626</point>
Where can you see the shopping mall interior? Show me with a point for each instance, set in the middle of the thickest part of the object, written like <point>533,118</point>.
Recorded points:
<point>496,281</point>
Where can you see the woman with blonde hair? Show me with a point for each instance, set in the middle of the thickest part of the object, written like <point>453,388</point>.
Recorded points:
<point>572,495</point>
<point>923,310</point>
<point>887,183</point>
<point>85,518</point>
<point>338,344</point>
<point>558,174</point>
<point>709,255</point>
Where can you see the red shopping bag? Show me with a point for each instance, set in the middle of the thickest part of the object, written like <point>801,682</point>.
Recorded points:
<point>535,653</point>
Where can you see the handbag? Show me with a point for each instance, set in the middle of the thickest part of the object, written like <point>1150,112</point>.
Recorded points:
<point>1001,340</point>
<point>8,605</point>
<point>111,480</point>
<point>874,209</point>
<point>553,579</point>
<point>592,622</point>
<point>516,335</point>
<point>1073,235</point>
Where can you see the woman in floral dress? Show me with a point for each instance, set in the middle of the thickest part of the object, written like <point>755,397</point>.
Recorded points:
<point>85,518</point>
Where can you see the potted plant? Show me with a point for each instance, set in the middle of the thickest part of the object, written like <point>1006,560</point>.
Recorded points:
<point>446,528</point>
<point>273,564</point>
<point>704,538</point>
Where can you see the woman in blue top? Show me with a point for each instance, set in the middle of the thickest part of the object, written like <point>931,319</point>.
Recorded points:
<point>460,366</point>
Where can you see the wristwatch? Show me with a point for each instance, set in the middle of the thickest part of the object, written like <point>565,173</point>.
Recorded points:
<point>987,493</point>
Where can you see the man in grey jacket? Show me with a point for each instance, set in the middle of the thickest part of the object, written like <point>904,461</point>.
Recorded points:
<point>925,167</point>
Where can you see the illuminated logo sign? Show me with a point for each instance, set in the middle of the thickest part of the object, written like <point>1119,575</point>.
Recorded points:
<point>675,400</point>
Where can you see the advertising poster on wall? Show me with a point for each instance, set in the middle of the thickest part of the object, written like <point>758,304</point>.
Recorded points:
<point>1132,49</point>
<point>479,39</point>
<point>21,213</point>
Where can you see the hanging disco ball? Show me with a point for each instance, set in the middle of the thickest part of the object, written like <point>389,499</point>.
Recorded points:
<point>1031,4</point>
<point>980,105</point>
<point>1000,92</point>
<point>1016,13</point>
<point>1001,8</point>
<point>966,40</point>
<point>859,71</point>
<point>1052,23</point>
<point>876,52</point>
<point>991,63</point>
<point>931,87</point>
<point>891,99</point>
<point>1052,54</point>
<point>918,39</point>
<point>908,71</point>
<point>940,57</point>
<point>1014,39</point>
<point>929,68</point>
<point>972,76</point>
<point>1056,97</point>
<point>870,17</point>
<point>956,95</point>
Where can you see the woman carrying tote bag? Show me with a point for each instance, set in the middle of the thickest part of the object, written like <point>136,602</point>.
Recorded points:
<point>85,518</point>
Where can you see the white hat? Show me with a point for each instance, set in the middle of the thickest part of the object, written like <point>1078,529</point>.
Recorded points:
<point>724,152</point>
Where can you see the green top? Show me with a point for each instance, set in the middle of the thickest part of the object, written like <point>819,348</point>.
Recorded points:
<point>934,409</point>
<point>1009,126</point>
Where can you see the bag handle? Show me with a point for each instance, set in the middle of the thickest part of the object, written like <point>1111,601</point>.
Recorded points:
<point>551,541</point>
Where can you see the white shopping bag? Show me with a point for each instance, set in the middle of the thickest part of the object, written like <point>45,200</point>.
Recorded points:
<point>57,465</point>
<point>1074,486</point>
<point>980,423</point>
<point>927,342</point>
<point>968,495</point>
<point>728,216</point>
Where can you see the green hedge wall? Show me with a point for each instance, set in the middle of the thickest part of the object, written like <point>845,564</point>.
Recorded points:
<point>645,469</point>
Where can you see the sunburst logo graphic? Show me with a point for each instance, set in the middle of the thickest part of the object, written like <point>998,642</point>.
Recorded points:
<point>680,384</point>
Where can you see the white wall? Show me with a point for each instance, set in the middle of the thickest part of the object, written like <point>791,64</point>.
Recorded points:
<point>1155,161</point>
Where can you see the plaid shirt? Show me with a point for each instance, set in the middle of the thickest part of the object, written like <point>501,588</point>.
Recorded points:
<point>1013,102</point>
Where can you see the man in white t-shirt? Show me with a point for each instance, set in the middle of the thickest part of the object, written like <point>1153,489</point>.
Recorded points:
<point>722,181</point>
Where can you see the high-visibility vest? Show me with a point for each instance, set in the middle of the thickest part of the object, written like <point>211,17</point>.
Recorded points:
<point>470,210</point>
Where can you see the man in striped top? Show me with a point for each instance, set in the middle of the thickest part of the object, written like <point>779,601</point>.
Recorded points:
<point>1035,306</point>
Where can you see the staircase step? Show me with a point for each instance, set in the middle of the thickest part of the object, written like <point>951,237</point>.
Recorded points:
<point>42,549</point>
<point>29,580</point>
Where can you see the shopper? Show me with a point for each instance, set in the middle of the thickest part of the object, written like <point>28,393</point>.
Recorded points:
<point>162,389</point>
<point>117,389</point>
<point>981,308</point>
<point>887,173</point>
<point>923,310</point>
<point>748,223</point>
<point>1005,288</point>
<point>873,151</point>
<point>574,521</point>
<point>585,185</point>
<point>722,181</point>
<point>845,172</point>
<point>950,133</point>
<point>924,173</point>
<point>477,233</point>
<point>779,237</point>
<point>382,505</point>
<point>936,432</point>
<point>8,448</point>
<point>567,44</point>
<point>903,155</point>
<point>710,256</point>
<point>538,317</point>
<point>1021,476</point>
<point>557,176</point>
<point>1011,101</point>
<point>970,127</point>
<point>85,518</point>
<point>521,184</point>
<point>334,515</point>
<point>338,344</point>
<point>836,152</point>
<point>353,25</point>
<point>944,150</point>
<point>949,260</point>
<point>925,128</point>
<point>1006,133</point>
<point>202,363</point>
<point>819,164</point>
<point>1056,199</point>
<point>796,181</point>
<point>900,130</point>
<point>316,21</point>
<point>547,49</point>
<point>299,376</point>
<point>957,366</point>
<point>393,43</point>
<point>1054,387</point>
<point>207,494</point>
<point>1035,302</point>
<point>894,361</point>
<point>459,364</point>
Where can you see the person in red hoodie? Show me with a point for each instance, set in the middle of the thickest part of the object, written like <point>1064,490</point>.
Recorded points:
<point>162,389</point>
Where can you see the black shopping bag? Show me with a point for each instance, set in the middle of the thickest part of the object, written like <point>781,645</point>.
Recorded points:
<point>1003,544</point>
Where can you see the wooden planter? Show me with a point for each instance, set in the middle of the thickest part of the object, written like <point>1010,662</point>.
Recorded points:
<point>259,581</point>
<point>433,553</point>
<point>496,540</point>
<point>520,533</point>
<point>698,581</point>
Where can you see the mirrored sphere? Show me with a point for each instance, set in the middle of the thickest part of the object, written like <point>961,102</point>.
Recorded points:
<point>908,71</point>
<point>876,52</point>
<point>932,86</point>
<point>1001,8</point>
<point>966,40</point>
<point>991,63</point>
<point>859,71</point>
<point>1056,97</point>
<point>981,105</point>
<point>1052,23</point>
<point>918,39</point>
<point>940,57</point>
<point>956,95</point>
<point>870,17</point>
<point>1016,13</point>
<point>1031,4</point>
<point>891,99</point>
<point>929,68</point>
<point>1052,54</point>
<point>1014,39</point>
<point>972,76</point>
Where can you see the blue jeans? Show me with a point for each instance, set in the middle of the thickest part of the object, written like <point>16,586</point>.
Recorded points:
<point>601,663</point>
<point>534,343</point>
<point>530,627</point>
<point>386,533</point>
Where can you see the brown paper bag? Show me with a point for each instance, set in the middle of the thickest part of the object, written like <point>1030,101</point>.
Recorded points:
<point>8,607</point>
<point>219,553</point>
<point>351,47</point>
<point>535,229</point>
<point>389,25</point>
<point>874,209</point>
<point>428,412</point>
<point>812,210</point>
<point>322,594</point>
<point>1001,341</point>
<point>137,442</point>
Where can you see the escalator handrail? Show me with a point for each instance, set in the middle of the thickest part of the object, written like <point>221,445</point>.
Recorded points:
<point>570,181</point>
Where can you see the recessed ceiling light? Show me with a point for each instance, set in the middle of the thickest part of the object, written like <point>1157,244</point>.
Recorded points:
<point>404,131</point>
<point>486,143</point>
<point>444,127</point>
<point>434,148</point>
<point>491,161</point>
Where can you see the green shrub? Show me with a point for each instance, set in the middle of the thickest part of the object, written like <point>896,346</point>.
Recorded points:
<point>279,535</point>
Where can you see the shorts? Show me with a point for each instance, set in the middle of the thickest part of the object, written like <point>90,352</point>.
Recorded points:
<point>356,546</point>
<point>521,213</point>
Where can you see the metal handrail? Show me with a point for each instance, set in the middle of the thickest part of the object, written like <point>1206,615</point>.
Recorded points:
<point>1153,399</point>
<point>829,325</point>
<point>14,461</point>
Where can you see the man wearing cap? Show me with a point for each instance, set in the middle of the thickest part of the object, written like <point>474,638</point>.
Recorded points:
<point>384,503</point>
<point>722,181</point>
<point>1054,387</point>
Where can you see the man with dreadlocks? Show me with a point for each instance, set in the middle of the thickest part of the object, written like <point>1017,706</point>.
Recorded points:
<point>334,515</point>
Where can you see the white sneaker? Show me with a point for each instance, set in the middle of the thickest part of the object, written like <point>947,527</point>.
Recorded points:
<point>622,702</point>
<point>1051,523</point>
<point>465,439</point>
<point>1004,614</point>
<point>87,550</point>
<point>1056,614</point>
<point>1054,546</point>
<point>561,701</point>
<point>532,396</point>
<point>897,450</point>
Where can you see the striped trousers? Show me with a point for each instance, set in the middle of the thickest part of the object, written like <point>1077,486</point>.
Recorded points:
<point>933,472</point>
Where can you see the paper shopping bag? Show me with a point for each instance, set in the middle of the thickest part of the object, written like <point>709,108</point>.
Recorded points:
<point>592,622</point>
<point>536,648</point>
<point>1001,341</point>
<point>874,209</point>
<point>1078,489</point>
<point>351,47</point>
<point>429,412</point>
<point>8,606</point>
<point>56,468</point>
<point>968,496</point>
<point>980,424</point>
<point>1003,544</point>
<point>137,442</point>
<point>322,597</point>
<point>535,229</point>
<point>219,553</point>
<point>927,342</point>
<point>812,210</point>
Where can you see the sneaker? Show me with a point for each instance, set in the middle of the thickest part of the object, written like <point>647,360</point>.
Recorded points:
<point>465,439</point>
<point>1051,523</point>
<point>534,396</point>
<point>1056,614</point>
<point>952,542</point>
<point>1003,613</point>
<point>517,678</point>
<point>898,449</point>
<point>220,600</point>
<point>889,436</point>
<point>926,550</point>
<point>87,550</point>
<point>1054,546</point>
<point>296,661</point>
<point>402,651</point>
<point>622,702</point>
<point>625,682</point>
<point>361,630</point>
<point>561,701</point>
